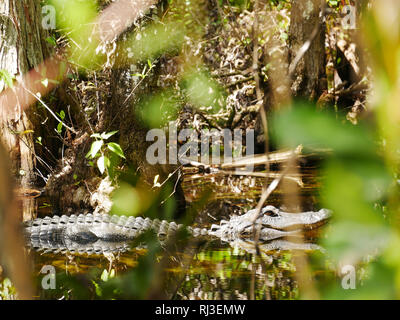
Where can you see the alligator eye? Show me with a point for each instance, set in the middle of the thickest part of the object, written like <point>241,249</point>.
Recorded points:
<point>271,213</point>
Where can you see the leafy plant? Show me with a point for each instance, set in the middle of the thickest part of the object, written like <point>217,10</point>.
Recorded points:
<point>106,154</point>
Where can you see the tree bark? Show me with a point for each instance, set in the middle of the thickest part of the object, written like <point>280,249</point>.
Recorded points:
<point>22,47</point>
<point>306,24</point>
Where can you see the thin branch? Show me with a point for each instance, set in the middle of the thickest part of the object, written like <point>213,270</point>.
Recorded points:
<point>51,112</point>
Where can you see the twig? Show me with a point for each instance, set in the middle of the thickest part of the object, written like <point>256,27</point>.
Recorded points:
<point>274,184</point>
<point>175,185</point>
<point>273,157</point>
<point>51,112</point>
<point>273,175</point>
<point>137,85</point>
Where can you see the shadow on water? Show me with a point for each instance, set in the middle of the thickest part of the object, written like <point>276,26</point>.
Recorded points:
<point>213,269</point>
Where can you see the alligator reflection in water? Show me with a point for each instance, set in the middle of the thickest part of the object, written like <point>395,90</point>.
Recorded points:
<point>218,269</point>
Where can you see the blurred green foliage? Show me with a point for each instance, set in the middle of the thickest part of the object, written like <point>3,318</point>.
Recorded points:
<point>159,108</point>
<point>7,78</point>
<point>357,184</point>
<point>153,40</point>
<point>202,91</point>
<point>76,20</point>
<point>7,290</point>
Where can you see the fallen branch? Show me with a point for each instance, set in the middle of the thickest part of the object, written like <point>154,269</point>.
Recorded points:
<point>273,157</point>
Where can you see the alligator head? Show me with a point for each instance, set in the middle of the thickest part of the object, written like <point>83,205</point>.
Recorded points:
<point>272,223</point>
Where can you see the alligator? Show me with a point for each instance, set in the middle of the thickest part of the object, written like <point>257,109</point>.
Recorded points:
<point>104,234</point>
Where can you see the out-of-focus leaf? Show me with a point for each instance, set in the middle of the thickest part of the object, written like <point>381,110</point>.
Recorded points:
<point>146,44</point>
<point>157,109</point>
<point>76,18</point>
<point>344,191</point>
<point>303,125</point>
<point>7,78</point>
<point>378,285</point>
<point>202,90</point>
<point>126,200</point>
<point>357,228</point>
<point>350,241</point>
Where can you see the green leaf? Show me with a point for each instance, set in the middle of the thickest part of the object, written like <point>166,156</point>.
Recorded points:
<point>96,146</point>
<point>114,162</point>
<point>102,163</point>
<point>116,148</point>
<point>106,136</point>
<point>96,135</point>
<point>59,127</point>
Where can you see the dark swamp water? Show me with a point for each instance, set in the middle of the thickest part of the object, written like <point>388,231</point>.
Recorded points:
<point>206,269</point>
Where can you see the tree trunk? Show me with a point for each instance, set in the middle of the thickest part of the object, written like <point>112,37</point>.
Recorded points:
<point>22,47</point>
<point>306,24</point>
